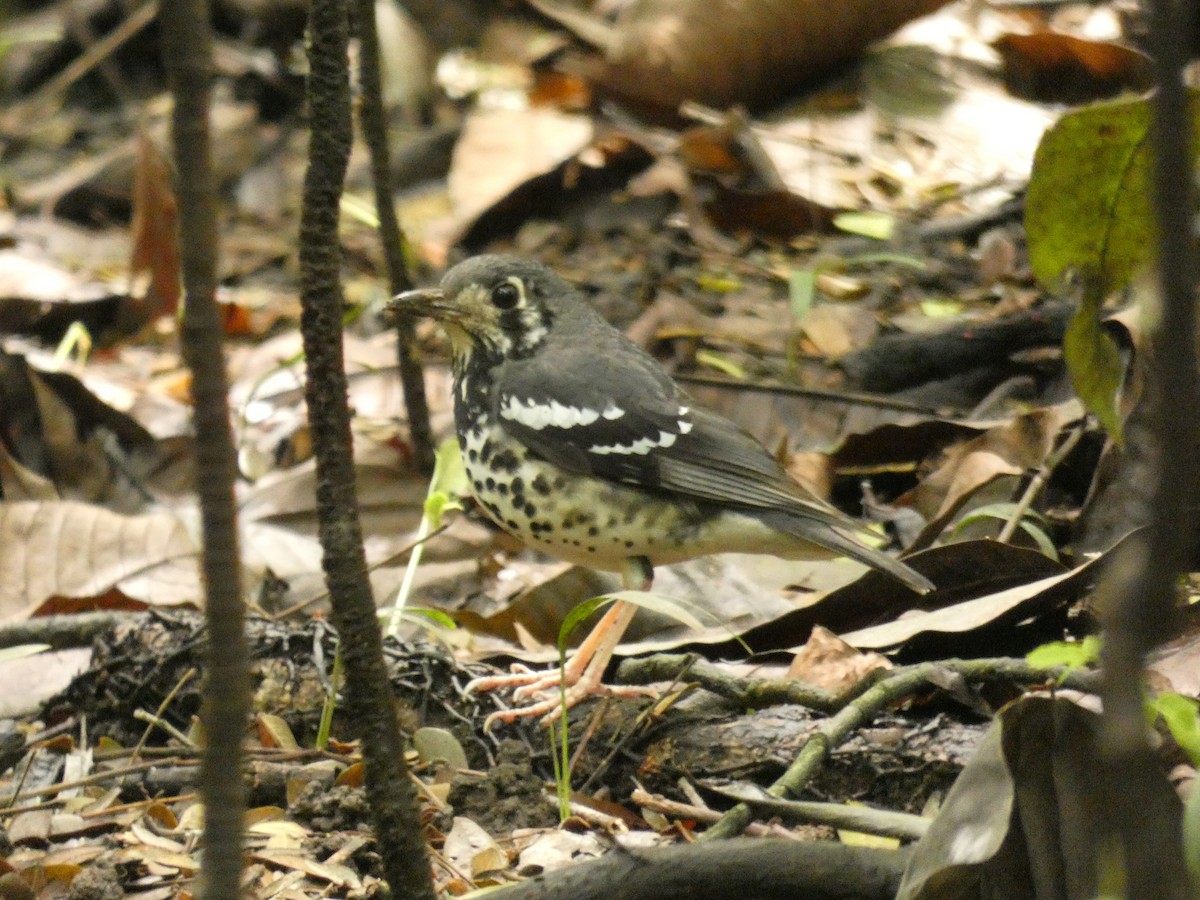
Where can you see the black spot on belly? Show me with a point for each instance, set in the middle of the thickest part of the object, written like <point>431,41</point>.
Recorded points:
<point>628,544</point>
<point>503,489</point>
<point>493,509</point>
<point>591,549</point>
<point>512,525</point>
<point>541,485</point>
<point>530,509</point>
<point>560,483</point>
<point>593,531</point>
<point>485,452</point>
<point>518,486</point>
<point>473,455</point>
<point>478,484</point>
<point>491,484</point>
<point>506,461</point>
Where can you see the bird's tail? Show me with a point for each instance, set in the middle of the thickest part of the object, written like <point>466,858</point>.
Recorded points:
<point>842,543</point>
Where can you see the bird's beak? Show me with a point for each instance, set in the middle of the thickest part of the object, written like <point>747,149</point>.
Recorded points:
<point>422,302</point>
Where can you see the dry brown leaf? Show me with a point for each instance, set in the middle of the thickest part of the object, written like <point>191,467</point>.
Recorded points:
<point>274,732</point>
<point>499,150</point>
<point>1008,449</point>
<point>164,861</point>
<point>724,53</point>
<point>155,229</point>
<point>556,849</point>
<point>19,483</point>
<point>1059,68</point>
<point>828,662</point>
<point>466,842</point>
<point>31,826</point>
<point>75,550</point>
<point>27,683</point>
<point>338,875</point>
<point>833,331</point>
<point>1001,610</point>
<point>1178,664</point>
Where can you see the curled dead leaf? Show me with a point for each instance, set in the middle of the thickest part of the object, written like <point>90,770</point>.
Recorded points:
<point>662,52</point>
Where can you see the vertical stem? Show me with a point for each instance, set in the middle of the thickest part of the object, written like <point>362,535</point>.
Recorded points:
<point>374,129</point>
<point>187,52</point>
<point>371,705</point>
<point>1138,596</point>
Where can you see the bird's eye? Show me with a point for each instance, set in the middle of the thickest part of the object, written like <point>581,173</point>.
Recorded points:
<point>506,295</point>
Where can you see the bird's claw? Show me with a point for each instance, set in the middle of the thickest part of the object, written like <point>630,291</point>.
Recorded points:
<point>551,707</point>
<point>554,691</point>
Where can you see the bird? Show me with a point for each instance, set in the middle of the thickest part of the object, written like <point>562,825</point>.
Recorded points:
<point>581,445</point>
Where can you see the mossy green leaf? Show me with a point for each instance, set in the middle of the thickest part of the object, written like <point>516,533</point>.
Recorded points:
<point>1072,654</point>
<point>1179,714</point>
<point>1089,200</point>
<point>449,482</point>
<point>1093,360</point>
<point>802,291</point>
<point>872,224</point>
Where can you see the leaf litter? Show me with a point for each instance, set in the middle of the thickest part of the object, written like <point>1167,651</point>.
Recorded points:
<point>696,238</point>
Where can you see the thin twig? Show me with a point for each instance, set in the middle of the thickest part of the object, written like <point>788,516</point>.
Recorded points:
<point>1039,481</point>
<point>374,129</point>
<point>157,719</point>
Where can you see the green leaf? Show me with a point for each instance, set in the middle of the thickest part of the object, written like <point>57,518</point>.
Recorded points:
<point>859,260</point>
<point>1088,205</point>
<point>1003,512</point>
<point>20,651</point>
<point>671,607</point>
<point>1072,654</point>
<point>1093,360</point>
<point>1000,511</point>
<point>1044,544</point>
<point>360,210</point>
<point>941,307</point>
<point>802,289</point>
<point>719,284</point>
<point>720,363</point>
<point>666,606</point>
<point>878,225</point>
<point>1179,715</point>
<point>438,744</point>
<point>449,482</point>
<point>422,615</point>
<point>578,614</point>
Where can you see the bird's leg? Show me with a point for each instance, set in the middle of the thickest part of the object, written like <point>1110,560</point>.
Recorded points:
<point>583,672</point>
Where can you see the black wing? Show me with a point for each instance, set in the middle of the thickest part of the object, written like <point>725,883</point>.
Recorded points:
<point>619,416</point>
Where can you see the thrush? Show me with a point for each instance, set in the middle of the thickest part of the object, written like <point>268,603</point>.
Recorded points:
<point>581,445</point>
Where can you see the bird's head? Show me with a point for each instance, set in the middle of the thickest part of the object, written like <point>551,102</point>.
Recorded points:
<point>501,305</point>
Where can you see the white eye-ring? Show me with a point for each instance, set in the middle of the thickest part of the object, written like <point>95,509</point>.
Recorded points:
<point>508,294</point>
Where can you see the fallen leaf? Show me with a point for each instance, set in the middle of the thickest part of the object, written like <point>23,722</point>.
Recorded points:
<point>155,229</point>
<point>74,550</point>
<point>828,662</point>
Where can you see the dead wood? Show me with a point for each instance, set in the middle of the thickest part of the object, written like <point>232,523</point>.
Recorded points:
<point>750,869</point>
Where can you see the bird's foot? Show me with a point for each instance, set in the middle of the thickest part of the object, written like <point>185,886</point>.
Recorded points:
<point>562,688</point>
<point>553,690</point>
